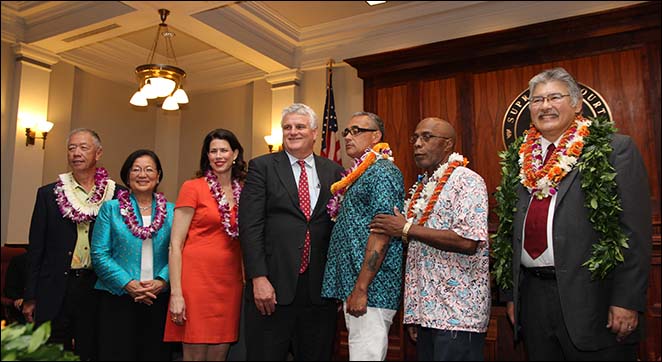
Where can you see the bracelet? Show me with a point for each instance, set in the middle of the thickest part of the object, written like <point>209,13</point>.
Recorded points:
<point>405,231</point>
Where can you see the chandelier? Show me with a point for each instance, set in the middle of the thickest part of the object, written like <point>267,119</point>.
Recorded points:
<point>161,80</point>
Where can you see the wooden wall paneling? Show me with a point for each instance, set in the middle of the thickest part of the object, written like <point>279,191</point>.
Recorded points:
<point>392,106</point>
<point>617,53</point>
<point>652,85</point>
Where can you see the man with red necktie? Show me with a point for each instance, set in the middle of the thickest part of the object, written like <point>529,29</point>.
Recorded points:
<point>567,308</point>
<point>284,231</point>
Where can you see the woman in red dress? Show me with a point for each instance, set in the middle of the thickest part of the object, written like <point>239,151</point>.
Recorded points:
<point>205,257</point>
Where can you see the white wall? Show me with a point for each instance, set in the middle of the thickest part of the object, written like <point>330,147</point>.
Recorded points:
<point>6,133</point>
<point>348,95</point>
<point>104,106</point>
<point>230,109</point>
<point>80,99</point>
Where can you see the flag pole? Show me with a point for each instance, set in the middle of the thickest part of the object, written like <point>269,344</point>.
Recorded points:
<point>329,74</point>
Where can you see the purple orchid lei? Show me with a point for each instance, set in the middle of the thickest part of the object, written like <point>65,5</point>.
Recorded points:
<point>223,204</point>
<point>131,220</point>
<point>83,213</point>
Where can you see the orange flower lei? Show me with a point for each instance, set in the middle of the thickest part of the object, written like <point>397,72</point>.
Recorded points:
<point>541,180</point>
<point>365,162</point>
<point>435,183</point>
<point>338,189</point>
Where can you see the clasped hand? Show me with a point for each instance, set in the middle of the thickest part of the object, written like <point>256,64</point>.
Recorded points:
<point>145,291</point>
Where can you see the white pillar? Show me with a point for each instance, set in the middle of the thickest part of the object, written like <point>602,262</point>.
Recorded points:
<point>285,90</point>
<point>166,146</point>
<point>30,95</point>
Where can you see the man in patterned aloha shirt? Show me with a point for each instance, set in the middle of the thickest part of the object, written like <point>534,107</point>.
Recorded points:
<point>364,269</point>
<point>447,290</point>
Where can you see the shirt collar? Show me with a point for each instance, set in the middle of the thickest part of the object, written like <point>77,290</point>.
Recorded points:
<point>310,160</point>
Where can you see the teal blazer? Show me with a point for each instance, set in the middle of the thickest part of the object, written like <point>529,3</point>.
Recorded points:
<point>116,252</point>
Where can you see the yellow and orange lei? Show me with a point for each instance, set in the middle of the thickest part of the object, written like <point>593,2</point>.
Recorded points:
<point>338,189</point>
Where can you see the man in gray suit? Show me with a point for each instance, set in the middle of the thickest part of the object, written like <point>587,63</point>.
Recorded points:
<point>566,310</point>
<point>284,231</point>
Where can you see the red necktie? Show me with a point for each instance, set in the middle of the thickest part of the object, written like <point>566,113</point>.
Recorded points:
<point>535,232</point>
<point>304,202</point>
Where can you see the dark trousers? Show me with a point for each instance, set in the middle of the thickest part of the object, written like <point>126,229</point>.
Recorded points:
<point>76,325</point>
<point>130,331</point>
<point>306,328</point>
<point>441,345</point>
<point>237,350</point>
<point>544,332</point>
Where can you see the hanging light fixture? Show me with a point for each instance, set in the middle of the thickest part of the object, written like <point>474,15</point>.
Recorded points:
<point>161,80</point>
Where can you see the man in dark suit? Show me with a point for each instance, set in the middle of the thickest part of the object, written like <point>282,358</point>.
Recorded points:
<point>284,231</point>
<point>60,281</point>
<point>565,312</point>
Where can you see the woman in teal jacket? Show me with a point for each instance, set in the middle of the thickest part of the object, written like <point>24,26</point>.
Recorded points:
<point>130,256</point>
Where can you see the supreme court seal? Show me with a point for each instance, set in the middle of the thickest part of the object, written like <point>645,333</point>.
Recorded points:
<point>518,118</point>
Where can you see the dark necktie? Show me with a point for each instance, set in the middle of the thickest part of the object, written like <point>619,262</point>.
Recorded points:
<point>304,202</point>
<point>535,232</point>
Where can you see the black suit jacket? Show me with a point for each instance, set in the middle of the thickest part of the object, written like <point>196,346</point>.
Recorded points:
<point>585,302</point>
<point>52,242</point>
<point>272,227</point>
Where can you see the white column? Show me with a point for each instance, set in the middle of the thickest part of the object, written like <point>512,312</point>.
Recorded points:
<point>166,146</point>
<point>30,95</point>
<point>285,90</point>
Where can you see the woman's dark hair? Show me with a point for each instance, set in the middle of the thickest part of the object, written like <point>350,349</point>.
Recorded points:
<point>126,167</point>
<point>239,165</point>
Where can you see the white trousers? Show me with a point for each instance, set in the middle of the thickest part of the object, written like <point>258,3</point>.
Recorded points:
<point>368,334</point>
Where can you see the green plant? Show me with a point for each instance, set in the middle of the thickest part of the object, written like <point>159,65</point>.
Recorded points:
<point>21,342</point>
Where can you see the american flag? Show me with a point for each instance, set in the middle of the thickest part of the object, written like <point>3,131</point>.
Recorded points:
<point>330,141</point>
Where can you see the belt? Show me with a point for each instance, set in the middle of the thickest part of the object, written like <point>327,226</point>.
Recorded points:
<point>79,273</point>
<point>543,272</point>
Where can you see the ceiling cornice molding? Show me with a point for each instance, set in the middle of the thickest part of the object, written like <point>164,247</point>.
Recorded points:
<point>266,17</point>
<point>36,53</point>
<point>484,17</point>
<point>289,75</point>
<point>233,22</point>
<point>74,19</point>
<point>13,27</point>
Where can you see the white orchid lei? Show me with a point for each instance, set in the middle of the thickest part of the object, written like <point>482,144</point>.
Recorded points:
<point>223,204</point>
<point>423,197</point>
<point>71,207</point>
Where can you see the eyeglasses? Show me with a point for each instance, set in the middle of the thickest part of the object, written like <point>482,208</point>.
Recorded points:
<point>354,130</point>
<point>148,171</point>
<point>554,98</point>
<point>425,137</point>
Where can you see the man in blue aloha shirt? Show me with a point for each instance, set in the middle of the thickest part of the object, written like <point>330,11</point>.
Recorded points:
<point>364,269</point>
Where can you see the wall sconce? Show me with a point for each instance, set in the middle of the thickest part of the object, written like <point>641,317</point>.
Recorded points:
<point>31,129</point>
<point>274,140</point>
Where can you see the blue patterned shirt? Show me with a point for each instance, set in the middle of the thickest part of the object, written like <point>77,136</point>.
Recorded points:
<point>377,191</point>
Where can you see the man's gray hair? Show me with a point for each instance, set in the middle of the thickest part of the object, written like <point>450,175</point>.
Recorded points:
<point>301,109</point>
<point>95,136</point>
<point>561,75</point>
<point>375,119</point>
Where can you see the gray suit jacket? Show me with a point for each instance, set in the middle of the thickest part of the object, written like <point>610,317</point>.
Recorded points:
<point>585,302</point>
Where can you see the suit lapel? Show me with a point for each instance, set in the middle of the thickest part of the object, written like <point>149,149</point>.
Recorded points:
<point>284,172</point>
<point>325,178</point>
<point>564,186</point>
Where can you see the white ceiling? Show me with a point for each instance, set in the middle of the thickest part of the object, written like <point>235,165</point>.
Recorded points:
<point>222,44</point>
